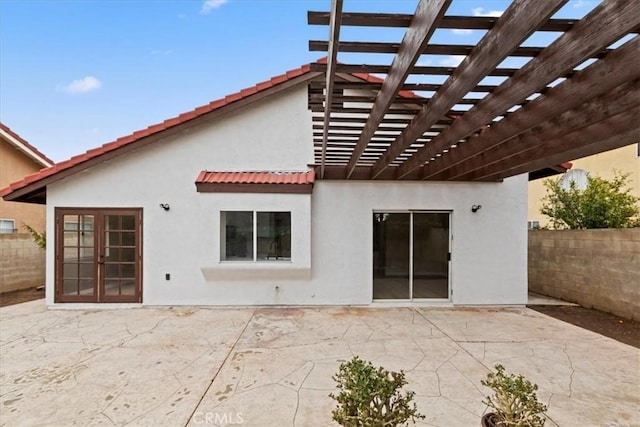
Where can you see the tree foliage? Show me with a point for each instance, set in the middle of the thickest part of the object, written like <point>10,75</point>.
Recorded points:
<point>603,204</point>
<point>39,238</point>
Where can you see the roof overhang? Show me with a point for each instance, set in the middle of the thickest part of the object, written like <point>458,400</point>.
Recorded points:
<point>23,146</point>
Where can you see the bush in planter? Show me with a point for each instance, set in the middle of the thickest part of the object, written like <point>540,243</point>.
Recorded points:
<point>370,396</point>
<point>514,400</point>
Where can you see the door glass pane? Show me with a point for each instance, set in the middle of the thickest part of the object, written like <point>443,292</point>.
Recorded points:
<point>127,254</point>
<point>391,255</point>
<point>127,287</point>
<point>112,271</point>
<point>112,238</point>
<point>430,255</point>
<point>70,286</point>
<point>86,286</point>
<point>112,254</point>
<point>128,238</point>
<point>70,238</point>
<point>128,222</point>
<point>70,254</point>
<point>236,243</point>
<point>274,236</point>
<point>112,222</point>
<point>112,286</point>
<point>128,271</point>
<point>86,270</point>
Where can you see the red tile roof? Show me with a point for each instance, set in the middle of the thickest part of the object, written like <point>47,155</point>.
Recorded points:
<point>154,129</point>
<point>206,177</point>
<point>29,146</point>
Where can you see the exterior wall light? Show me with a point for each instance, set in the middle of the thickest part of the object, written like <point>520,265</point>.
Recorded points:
<point>165,206</point>
<point>475,208</point>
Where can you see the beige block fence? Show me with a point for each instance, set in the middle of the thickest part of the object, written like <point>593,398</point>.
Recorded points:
<point>22,262</point>
<point>594,268</point>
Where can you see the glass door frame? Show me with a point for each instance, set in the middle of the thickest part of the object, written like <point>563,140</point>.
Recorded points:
<point>99,294</point>
<point>411,253</point>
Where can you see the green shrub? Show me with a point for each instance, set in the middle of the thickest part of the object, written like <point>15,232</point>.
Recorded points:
<point>371,397</point>
<point>603,204</point>
<point>514,400</point>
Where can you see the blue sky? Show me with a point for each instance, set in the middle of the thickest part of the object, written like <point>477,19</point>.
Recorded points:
<point>77,74</point>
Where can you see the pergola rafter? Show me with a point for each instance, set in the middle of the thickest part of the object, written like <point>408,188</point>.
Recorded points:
<point>574,146</point>
<point>396,125</point>
<point>428,15</point>
<point>619,67</point>
<point>334,36</point>
<point>618,101</point>
<point>578,142</point>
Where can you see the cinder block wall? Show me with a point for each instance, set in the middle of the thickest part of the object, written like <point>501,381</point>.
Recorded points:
<point>594,268</point>
<point>22,262</point>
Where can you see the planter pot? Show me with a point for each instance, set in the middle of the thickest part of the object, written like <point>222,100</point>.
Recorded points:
<point>489,420</point>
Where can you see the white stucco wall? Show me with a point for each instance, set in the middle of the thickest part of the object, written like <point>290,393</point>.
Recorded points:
<point>331,229</point>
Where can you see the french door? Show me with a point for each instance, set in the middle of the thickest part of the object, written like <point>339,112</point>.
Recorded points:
<point>411,255</point>
<point>98,255</point>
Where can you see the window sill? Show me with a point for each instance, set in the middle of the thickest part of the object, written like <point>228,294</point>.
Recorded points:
<point>256,271</point>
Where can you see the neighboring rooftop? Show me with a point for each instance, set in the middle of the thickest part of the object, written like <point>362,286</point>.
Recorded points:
<point>22,145</point>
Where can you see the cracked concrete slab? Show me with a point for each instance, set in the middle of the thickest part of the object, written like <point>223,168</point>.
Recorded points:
<point>273,366</point>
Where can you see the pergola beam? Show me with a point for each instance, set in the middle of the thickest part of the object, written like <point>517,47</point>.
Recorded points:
<point>332,57</point>
<point>617,101</point>
<point>515,25</point>
<point>425,21</point>
<point>619,67</point>
<point>605,24</point>
<point>431,49</point>
<point>416,70</point>
<point>426,87</point>
<point>399,20</point>
<point>576,144</point>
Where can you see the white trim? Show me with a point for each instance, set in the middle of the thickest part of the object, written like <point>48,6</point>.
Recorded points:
<point>26,150</point>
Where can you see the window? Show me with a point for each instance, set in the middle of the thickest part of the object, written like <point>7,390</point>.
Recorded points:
<point>255,236</point>
<point>7,226</point>
<point>533,225</point>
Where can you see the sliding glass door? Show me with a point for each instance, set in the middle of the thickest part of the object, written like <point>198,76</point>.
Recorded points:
<point>411,255</point>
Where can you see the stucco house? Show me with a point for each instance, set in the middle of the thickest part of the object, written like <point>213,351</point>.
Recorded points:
<point>22,262</point>
<point>18,158</point>
<point>221,206</point>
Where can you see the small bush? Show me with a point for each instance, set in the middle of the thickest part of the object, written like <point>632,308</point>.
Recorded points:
<point>514,400</point>
<point>371,397</point>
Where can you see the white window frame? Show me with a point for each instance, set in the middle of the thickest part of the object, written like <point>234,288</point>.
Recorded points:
<point>13,225</point>
<point>255,236</point>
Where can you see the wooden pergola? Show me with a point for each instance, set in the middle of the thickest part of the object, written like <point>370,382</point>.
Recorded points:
<point>553,109</point>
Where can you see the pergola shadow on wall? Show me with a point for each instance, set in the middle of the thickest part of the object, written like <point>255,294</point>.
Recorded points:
<point>577,96</point>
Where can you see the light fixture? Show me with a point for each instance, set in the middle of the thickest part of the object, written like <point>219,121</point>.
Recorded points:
<point>165,206</point>
<point>475,208</point>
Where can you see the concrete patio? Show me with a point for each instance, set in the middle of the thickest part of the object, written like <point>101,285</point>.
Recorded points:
<point>273,366</point>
